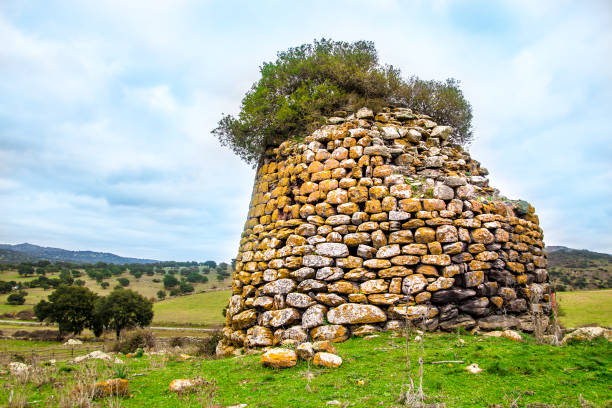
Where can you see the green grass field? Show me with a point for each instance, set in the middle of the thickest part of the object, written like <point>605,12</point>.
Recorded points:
<point>202,309</point>
<point>586,307</point>
<point>372,375</point>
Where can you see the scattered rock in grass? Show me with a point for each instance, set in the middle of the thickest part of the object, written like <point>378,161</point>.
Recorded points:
<point>115,386</point>
<point>327,360</point>
<point>305,351</point>
<point>324,345</point>
<point>512,335</point>
<point>96,355</point>
<point>279,358</point>
<point>509,334</point>
<point>17,368</point>
<point>473,368</point>
<point>587,334</point>
<point>417,339</point>
<point>237,406</point>
<point>373,336</point>
<point>73,342</point>
<point>333,403</point>
<point>180,385</point>
<point>183,357</point>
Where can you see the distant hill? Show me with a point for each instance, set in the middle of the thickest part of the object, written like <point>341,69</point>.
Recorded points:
<point>13,257</point>
<point>29,252</point>
<point>575,269</point>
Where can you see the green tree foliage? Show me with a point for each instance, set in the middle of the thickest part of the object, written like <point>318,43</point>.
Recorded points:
<point>17,298</point>
<point>25,269</point>
<point>7,287</point>
<point>210,264</point>
<point>309,82</point>
<point>123,308</point>
<point>161,294</point>
<point>123,281</point>
<point>71,307</point>
<point>170,281</point>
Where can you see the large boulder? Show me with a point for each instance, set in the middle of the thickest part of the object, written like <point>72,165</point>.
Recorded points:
<point>279,358</point>
<point>354,313</point>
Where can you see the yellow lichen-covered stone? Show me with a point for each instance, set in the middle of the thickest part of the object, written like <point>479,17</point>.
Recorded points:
<point>409,205</point>
<point>327,185</point>
<point>315,167</point>
<point>497,301</point>
<point>337,196</point>
<point>394,271</point>
<point>483,236</point>
<point>515,267</point>
<point>427,270</point>
<point>424,235</point>
<point>377,263</point>
<point>415,249</point>
<point>357,297</point>
<point>440,260</point>
<point>373,286</point>
<point>332,332</point>
<point>467,223</point>
<point>327,360</point>
<point>401,191</point>
<point>321,175</point>
<point>373,206</point>
<point>343,287</point>
<point>244,319</point>
<point>356,313</point>
<point>487,256</point>
<point>378,239</point>
<point>433,204</point>
<point>349,262</point>
<point>389,203</point>
<point>405,260</point>
<point>382,171</point>
<point>401,237</point>
<point>473,278</point>
<point>440,283</point>
<point>358,194</point>
<point>378,192</point>
<point>115,386</point>
<point>385,299</point>
<point>308,187</point>
<point>279,358</point>
<point>348,208</point>
<point>422,297</point>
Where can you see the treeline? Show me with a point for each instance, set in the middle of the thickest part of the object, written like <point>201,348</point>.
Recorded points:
<point>175,278</point>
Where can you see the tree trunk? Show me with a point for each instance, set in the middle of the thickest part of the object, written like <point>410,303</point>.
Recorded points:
<point>118,331</point>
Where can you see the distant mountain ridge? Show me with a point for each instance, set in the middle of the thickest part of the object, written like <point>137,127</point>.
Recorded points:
<point>28,252</point>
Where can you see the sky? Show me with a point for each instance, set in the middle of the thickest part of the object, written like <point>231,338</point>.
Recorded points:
<point>106,110</point>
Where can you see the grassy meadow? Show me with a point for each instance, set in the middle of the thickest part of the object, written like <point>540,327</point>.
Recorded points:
<point>586,307</point>
<point>373,374</point>
<point>143,285</point>
<point>201,309</point>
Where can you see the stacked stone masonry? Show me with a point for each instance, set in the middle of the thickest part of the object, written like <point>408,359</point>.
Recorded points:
<point>374,220</point>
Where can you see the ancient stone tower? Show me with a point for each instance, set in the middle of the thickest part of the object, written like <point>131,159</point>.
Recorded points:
<point>372,220</point>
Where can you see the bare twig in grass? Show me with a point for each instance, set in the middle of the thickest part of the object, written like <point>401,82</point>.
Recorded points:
<point>410,396</point>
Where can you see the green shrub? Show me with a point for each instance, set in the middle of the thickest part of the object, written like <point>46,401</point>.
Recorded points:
<point>309,82</point>
<point>208,345</point>
<point>134,340</point>
<point>17,298</point>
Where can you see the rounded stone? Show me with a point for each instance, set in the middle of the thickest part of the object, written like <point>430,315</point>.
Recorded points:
<point>279,358</point>
<point>353,313</point>
<point>332,249</point>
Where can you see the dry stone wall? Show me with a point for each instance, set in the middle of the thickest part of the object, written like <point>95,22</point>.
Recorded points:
<point>375,219</point>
